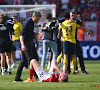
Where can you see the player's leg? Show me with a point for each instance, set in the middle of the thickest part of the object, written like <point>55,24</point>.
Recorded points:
<point>20,68</point>
<point>50,59</point>
<point>3,63</point>
<point>72,48</point>
<point>34,50</point>
<point>74,63</point>
<point>8,48</point>
<point>45,49</point>
<point>31,72</point>
<point>59,58</point>
<point>8,60</point>
<point>65,63</point>
<point>65,60</point>
<point>53,46</point>
<point>80,56</point>
<point>40,72</point>
<point>61,55</point>
<point>13,59</point>
<point>31,54</point>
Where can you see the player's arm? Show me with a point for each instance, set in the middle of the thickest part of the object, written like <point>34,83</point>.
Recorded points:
<point>78,21</point>
<point>84,29</point>
<point>54,67</point>
<point>23,32</point>
<point>46,26</point>
<point>59,32</point>
<point>22,43</point>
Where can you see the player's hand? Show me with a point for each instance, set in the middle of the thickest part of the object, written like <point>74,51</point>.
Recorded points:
<point>23,48</point>
<point>58,36</point>
<point>89,33</point>
<point>48,24</point>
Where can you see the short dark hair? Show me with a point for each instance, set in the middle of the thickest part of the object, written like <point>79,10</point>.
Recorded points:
<point>48,16</point>
<point>36,14</point>
<point>67,15</point>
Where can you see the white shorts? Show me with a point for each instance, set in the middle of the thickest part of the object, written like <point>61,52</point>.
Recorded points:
<point>42,75</point>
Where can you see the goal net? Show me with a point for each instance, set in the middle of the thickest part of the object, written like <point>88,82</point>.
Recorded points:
<point>24,11</point>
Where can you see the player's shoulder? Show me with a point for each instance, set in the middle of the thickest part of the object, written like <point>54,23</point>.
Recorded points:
<point>61,20</point>
<point>79,21</point>
<point>19,23</point>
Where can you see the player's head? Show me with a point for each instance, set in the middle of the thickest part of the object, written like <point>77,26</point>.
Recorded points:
<point>63,78</point>
<point>14,19</point>
<point>49,16</point>
<point>73,14</point>
<point>1,17</point>
<point>36,16</point>
<point>67,15</point>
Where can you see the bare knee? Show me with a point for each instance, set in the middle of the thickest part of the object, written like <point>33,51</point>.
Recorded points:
<point>32,61</point>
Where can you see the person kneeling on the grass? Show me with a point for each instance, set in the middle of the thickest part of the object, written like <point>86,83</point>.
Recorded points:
<point>51,76</point>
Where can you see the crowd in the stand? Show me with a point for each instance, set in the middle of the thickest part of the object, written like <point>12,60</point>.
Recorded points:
<point>89,9</point>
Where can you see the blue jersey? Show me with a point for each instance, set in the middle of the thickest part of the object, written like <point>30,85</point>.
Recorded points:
<point>28,30</point>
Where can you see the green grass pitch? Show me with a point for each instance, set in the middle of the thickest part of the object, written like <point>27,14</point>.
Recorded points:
<point>76,82</point>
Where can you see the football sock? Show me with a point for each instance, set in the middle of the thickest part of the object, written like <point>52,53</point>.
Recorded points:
<point>65,62</point>
<point>59,59</point>
<point>3,69</point>
<point>31,72</point>
<point>9,67</point>
<point>74,63</point>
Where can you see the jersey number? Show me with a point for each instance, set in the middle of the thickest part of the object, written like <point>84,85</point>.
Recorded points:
<point>68,28</point>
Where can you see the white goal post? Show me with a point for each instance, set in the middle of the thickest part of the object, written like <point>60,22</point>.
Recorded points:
<point>17,9</point>
<point>24,11</point>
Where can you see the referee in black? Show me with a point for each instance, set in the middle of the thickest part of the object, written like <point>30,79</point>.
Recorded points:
<point>27,46</point>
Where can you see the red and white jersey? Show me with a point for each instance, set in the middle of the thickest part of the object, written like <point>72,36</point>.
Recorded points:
<point>46,77</point>
<point>51,77</point>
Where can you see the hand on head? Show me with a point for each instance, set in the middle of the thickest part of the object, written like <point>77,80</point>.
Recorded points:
<point>63,78</point>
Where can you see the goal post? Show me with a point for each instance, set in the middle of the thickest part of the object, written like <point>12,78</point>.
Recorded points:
<point>16,9</point>
<point>24,11</point>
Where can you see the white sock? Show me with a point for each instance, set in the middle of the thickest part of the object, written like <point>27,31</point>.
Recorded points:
<point>3,69</point>
<point>9,67</point>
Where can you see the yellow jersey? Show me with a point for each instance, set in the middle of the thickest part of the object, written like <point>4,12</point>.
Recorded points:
<point>17,29</point>
<point>68,30</point>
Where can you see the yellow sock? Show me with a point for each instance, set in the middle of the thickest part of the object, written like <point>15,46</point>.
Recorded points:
<point>65,62</point>
<point>74,63</point>
<point>59,59</point>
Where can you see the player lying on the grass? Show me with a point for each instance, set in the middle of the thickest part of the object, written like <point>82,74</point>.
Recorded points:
<point>43,76</point>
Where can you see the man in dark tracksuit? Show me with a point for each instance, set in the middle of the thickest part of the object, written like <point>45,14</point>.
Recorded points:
<point>27,45</point>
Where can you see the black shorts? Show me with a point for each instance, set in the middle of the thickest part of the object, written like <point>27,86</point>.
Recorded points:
<point>13,48</point>
<point>69,48</point>
<point>5,46</point>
